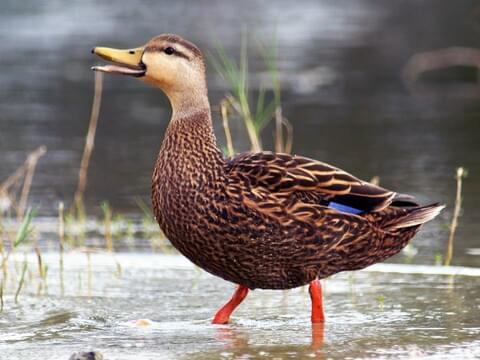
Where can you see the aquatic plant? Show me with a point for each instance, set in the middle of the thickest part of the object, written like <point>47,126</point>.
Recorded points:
<point>25,228</point>
<point>107,222</point>
<point>22,280</point>
<point>460,175</point>
<point>254,114</point>
<point>381,301</point>
<point>61,241</point>
<point>1,296</point>
<point>20,178</point>
<point>224,109</point>
<point>24,231</point>
<point>78,204</point>
<point>270,58</point>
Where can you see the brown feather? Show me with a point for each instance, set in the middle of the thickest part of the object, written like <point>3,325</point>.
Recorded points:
<point>260,219</point>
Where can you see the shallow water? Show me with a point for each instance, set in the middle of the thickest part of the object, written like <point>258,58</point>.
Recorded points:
<point>370,315</point>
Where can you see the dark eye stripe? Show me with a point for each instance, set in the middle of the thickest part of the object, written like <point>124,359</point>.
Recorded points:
<point>162,49</point>
<point>178,53</point>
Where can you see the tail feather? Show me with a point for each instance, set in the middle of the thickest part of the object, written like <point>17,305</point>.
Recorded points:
<point>418,216</point>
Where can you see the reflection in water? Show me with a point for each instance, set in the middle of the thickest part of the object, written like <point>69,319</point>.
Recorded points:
<point>236,339</point>
<point>236,342</point>
<point>318,335</point>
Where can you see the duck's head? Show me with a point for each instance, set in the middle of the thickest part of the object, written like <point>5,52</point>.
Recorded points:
<point>168,62</point>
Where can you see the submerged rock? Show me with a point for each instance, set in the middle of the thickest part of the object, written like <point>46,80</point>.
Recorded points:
<point>86,355</point>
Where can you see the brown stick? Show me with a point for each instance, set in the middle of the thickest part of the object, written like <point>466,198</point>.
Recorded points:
<point>89,141</point>
<point>31,164</point>
<point>1,296</point>
<point>17,175</point>
<point>224,106</point>
<point>279,142</point>
<point>13,179</point>
<point>244,112</point>
<point>27,169</point>
<point>456,213</point>
<point>22,280</point>
<point>289,140</point>
<point>107,212</point>
<point>61,238</point>
<point>375,180</point>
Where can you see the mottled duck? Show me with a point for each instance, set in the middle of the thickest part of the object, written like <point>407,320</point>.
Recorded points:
<point>260,220</point>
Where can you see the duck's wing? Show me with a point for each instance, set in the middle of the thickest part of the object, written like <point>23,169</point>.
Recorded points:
<point>287,175</point>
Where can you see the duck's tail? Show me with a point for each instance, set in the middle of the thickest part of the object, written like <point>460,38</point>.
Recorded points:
<point>417,216</point>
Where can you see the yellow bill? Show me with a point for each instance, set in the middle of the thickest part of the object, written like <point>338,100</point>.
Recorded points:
<point>126,61</point>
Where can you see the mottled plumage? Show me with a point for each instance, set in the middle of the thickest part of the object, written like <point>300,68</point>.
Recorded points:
<point>260,220</point>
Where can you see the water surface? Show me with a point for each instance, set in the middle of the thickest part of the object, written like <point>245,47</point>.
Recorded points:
<point>370,315</point>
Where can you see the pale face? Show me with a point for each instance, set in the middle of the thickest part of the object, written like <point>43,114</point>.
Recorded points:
<point>168,62</point>
<point>172,67</point>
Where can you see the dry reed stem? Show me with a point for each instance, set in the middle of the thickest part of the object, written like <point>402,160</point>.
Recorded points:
<point>375,180</point>
<point>279,130</point>
<point>456,213</point>
<point>31,163</point>
<point>89,273</point>
<point>289,140</point>
<point>108,233</point>
<point>2,232</point>
<point>89,142</point>
<point>224,107</point>
<point>39,261</point>
<point>4,270</point>
<point>252,134</point>
<point>118,267</point>
<point>41,271</point>
<point>1,296</point>
<point>107,223</point>
<point>12,179</point>
<point>283,142</point>
<point>256,145</point>
<point>61,238</point>
<point>4,264</point>
<point>21,282</point>
<point>26,171</point>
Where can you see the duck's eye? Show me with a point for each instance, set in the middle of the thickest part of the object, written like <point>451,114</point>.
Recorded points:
<point>169,50</point>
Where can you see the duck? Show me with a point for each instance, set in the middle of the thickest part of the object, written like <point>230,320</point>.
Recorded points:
<point>261,220</point>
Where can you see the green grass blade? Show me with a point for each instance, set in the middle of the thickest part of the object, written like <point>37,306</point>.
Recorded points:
<point>25,228</point>
<point>147,212</point>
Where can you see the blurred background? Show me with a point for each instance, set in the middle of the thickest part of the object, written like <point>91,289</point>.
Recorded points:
<point>353,87</point>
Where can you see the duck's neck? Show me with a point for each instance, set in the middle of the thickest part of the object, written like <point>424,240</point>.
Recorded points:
<point>189,156</point>
<point>187,102</point>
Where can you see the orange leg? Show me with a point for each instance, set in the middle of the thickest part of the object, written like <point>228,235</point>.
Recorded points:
<point>315,290</point>
<point>223,315</point>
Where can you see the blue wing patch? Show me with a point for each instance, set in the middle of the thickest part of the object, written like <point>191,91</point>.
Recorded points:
<point>344,208</point>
